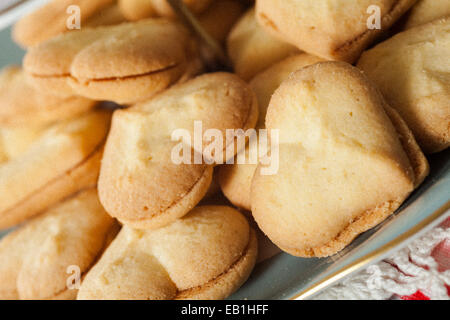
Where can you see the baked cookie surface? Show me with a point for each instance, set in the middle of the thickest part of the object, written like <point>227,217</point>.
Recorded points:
<point>139,182</point>
<point>43,166</point>
<point>141,9</point>
<point>331,29</point>
<point>207,254</point>
<point>252,50</point>
<point>343,166</point>
<point>412,70</point>
<point>236,180</point>
<point>36,257</point>
<point>126,63</point>
<point>23,105</point>
<point>425,11</point>
<point>51,19</point>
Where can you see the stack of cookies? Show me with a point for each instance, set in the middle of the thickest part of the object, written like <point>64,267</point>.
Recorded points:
<point>350,94</point>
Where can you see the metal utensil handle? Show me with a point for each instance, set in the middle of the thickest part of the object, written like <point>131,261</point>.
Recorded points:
<point>193,24</point>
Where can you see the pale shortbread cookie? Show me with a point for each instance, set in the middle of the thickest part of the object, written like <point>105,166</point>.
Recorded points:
<point>163,8</point>
<point>110,15</point>
<point>135,10</point>
<point>344,165</point>
<point>412,70</point>
<point>139,182</point>
<point>425,11</point>
<point>15,140</point>
<point>252,50</point>
<point>51,19</point>
<point>141,9</point>
<point>37,257</point>
<point>207,254</point>
<point>126,63</point>
<point>22,105</point>
<point>236,180</point>
<point>332,29</point>
<point>41,167</point>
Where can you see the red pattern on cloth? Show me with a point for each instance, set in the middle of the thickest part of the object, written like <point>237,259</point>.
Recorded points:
<point>420,271</point>
<point>441,253</point>
<point>416,296</point>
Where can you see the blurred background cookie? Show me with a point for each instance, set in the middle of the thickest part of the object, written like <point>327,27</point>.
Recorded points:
<point>137,9</point>
<point>225,11</point>
<point>412,70</point>
<point>23,105</point>
<point>52,164</point>
<point>51,19</point>
<point>38,256</point>
<point>425,11</point>
<point>141,9</point>
<point>207,254</point>
<point>334,30</point>
<point>251,49</point>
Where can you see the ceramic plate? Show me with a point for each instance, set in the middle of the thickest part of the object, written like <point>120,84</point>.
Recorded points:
<point>287,277</point>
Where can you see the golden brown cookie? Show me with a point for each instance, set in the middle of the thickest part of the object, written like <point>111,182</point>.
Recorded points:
<point>252,50</point>
<point>14,141</point>
<point>23,105</point>
<point>163,8</point>
<point>51,19</point>
<point>126,63</point>
<point>220,17</point>
<point>110,15</point>
<point>412,70</point>
<point>141,9</point>
<point>140,183</point>
<point>52,164</point>
<point>235,180</point>
<point>425,11</point>
<point>137,9</point>
<point>207,254</point>
<point>332,29</point>
<point>39,258</point>
<point>345,164</point>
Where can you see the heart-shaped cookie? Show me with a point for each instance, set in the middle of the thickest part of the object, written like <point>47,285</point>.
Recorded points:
<point>140,183</point>
<point>344,164</point>
<point>43,166</point>
<point>126,63</point>
<point>236,179</point>
<point>140,9</point>
<point>331,29</point>
<point>55,17</point>
<point>252,50</point>
<point>425,11</point>
<point>22,105</point>
<point>207,254</point>
<point>40,258</point>
<point>412,70</point>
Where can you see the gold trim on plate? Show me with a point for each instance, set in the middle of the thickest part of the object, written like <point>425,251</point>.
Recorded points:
<point>369,258</point>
